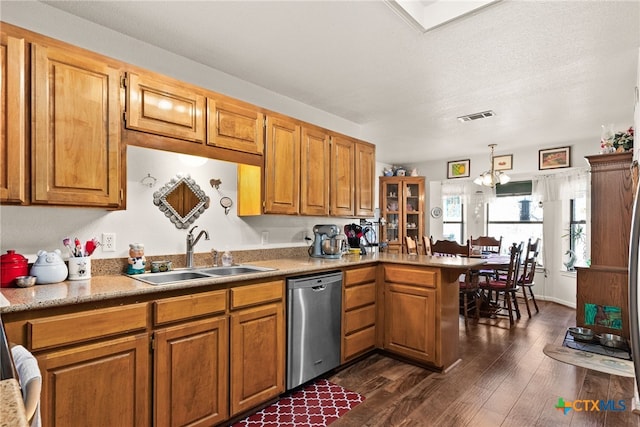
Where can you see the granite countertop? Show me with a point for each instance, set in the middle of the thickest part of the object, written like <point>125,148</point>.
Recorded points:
<point>114,286</point>
<point>12,412</point>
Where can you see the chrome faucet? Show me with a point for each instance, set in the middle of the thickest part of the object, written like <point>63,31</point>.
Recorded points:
<point>191,242</point>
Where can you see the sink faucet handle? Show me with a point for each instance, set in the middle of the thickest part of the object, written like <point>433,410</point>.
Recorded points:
<point>214,253</point>
<point>193,228</point>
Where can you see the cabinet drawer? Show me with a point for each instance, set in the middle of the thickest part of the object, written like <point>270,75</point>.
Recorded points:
<point>411,276</point>
<point>359,275</point>
<point>359,295</point>
<point>185,307</point>
<point>257,294</point>
<point>359,318</point>
<point>359,342</point>
<point>78,327</point>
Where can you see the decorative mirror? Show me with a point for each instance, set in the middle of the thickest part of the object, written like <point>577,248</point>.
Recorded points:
<point>181,200</point>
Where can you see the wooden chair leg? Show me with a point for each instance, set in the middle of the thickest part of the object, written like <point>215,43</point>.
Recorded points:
<point>515,303</point>
<point>526,300</point>
<point>477,302</point>
<point>464,307</point>
<point>533,298</point>
<point>507,299</point>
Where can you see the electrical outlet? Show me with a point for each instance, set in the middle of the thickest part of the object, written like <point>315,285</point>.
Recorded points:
<point>108,242</point>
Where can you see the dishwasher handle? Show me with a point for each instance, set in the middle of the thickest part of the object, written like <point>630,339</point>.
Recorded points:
<point>319,288</point>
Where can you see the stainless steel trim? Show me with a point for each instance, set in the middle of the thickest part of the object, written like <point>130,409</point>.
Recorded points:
<point>634,327</point>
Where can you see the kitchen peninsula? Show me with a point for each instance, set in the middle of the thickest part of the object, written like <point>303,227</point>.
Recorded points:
<point>105,326</point>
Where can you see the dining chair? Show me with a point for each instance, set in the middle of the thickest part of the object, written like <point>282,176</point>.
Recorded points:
<point>526,280</point>
<point>506,286</point>
<point>412,245</point>
<point>426,245</point>
<point>487,244</point>
<point>449,248</point>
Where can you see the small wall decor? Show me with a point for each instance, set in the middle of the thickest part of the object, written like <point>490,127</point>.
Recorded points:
<point>553,158</point>
<point>503,163</point>
<point>459,168</point>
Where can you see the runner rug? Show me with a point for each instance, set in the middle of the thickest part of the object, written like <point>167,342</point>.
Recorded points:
<point>317,404</point>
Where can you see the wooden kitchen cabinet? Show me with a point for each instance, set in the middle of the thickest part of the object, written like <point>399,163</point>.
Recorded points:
<point>191,360</point>
<point>358,312</point>
<point>257,344</point>
<point>314,171</point>
<point>235,125</point>
<point>76,153</point>
<point>402,207</point>
<point>342,176</point>
<point>13,120</point>
<point>282,167</point>
<point>365,172</point>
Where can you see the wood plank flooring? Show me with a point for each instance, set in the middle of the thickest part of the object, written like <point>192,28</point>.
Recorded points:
<point>504,379</point>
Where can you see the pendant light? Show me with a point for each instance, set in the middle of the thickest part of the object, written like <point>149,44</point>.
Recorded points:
<point>492,177</point>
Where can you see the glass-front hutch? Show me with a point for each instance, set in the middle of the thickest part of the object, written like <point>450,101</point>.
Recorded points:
<point>402,211</point>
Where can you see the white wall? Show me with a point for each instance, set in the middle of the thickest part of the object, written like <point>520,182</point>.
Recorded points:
<point>28,229</point>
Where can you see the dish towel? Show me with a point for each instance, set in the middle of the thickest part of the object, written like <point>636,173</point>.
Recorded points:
<point>28,371</point>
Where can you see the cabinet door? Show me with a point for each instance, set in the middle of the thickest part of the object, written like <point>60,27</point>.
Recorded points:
<point>235,126</point>
<point>257,356</point>
<point>165,107</point>
<point>365,169</point>
<point>413,208</point>
<point>342,176</point>
<point>103,384</point>
<point>390,201</point>
<point>410,321</point>
<point>13,142</point>
<point>191,374</point>
<point>76,129</point>
<point>314,172</point>
<point>282,167</point>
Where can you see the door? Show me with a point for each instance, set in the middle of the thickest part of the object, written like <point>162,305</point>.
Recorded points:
<point>314,172</point>
<point>282,167</point>
<point>13,142</point>
<point>365,173</point>
<point>191,374</point>
<point>76,157</point>
<point>342,176</point>
<point>257,356</point>
<point>103,384</point>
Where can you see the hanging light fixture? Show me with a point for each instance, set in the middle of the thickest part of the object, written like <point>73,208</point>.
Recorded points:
<point>492,177</point>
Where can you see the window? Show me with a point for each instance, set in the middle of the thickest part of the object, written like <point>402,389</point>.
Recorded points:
<point>517,218</point>
<point>577,234</point>
<point>452,219</point>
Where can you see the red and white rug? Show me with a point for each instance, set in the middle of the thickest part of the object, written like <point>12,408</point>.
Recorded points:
<point>316,405</point>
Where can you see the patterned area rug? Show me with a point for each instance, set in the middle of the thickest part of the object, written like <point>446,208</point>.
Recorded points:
<point>317,404</point>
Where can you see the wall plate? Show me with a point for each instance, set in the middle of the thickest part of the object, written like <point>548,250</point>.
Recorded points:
<point>436,212</point>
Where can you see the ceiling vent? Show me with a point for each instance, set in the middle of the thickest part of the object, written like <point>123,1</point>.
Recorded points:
<point>477,116</point>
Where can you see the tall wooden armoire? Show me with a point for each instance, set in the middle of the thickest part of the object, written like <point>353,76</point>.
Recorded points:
<point>602,288</point>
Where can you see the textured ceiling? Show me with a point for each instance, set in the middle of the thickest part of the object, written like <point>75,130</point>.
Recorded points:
<point>552,71</point>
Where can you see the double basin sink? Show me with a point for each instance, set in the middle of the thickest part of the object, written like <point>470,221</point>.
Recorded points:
<point>178,276</point>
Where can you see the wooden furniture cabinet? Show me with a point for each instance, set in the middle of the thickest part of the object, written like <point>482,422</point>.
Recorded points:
<point>86,358</point>
<point>191,360</point>
<point>358,312</point>
<point>13,120</point>
<point>402,207</point>
<point>257,344</point>
<point>605,282</point>
<point>420,317</point>
<point>76,154</point>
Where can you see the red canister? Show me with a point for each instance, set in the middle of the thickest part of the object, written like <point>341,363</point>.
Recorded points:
<point>12,265</point>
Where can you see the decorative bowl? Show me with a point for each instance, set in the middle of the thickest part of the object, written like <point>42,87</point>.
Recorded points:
<point>581,334</point>
<point>25,281</point>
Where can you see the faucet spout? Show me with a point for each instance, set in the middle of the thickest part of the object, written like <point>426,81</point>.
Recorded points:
<point>191,243</point>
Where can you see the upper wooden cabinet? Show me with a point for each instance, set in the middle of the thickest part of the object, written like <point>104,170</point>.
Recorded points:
<point>282,167</point>
<point>314,171</point>
<point>76,154</point>
<point>235,125</point>
<point>342,176</point>
<point>13,109</point>
<point>365,170</point>
<point>165,107</point>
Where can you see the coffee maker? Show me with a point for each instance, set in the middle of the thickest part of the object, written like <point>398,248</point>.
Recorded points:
<point>328,242</point>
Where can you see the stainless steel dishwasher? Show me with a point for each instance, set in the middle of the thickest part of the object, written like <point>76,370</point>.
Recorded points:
<point>314,306</point>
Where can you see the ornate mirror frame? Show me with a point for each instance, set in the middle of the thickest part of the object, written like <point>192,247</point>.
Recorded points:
<point>192,198</point>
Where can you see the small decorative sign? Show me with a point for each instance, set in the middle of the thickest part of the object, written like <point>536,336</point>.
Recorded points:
<point>459,168</point>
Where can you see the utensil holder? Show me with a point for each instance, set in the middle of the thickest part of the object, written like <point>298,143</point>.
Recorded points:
<point>79,268</point>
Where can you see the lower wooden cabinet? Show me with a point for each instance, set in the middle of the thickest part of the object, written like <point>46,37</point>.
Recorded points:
<point>102,384</point>
<point>257,345</point>
<point>191,371</point>
<point>358,312</point>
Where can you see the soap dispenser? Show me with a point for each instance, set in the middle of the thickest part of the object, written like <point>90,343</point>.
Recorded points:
<point>227,258</point>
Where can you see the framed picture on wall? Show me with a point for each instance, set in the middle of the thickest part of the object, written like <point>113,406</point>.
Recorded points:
<point>459,169</point>
<point>553,158</point>
<point>503,163</point>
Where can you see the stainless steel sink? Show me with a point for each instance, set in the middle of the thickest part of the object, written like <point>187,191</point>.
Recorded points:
<point>178,276</point>
<point>234,269</point>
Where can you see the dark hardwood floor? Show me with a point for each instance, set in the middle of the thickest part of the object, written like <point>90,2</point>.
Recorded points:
<point>504,379</point>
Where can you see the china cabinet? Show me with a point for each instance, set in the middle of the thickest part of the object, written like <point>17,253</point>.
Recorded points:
<point>402,209</point>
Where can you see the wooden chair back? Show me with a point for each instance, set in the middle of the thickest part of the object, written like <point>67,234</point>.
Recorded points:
<point>487,244</point>
<point>412,245</point>
<point>529,262</point>
<point>449,248</point>
<point>426,245</point>
<point>512,275</point>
